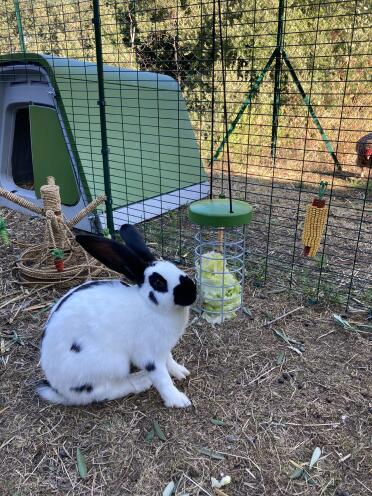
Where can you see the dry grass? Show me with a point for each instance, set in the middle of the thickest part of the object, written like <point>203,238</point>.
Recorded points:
<point>272,422</point>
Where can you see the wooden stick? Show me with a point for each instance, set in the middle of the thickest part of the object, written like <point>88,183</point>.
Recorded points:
<point>197,485</point>
<point>220,238</point>
<point>283,316</point>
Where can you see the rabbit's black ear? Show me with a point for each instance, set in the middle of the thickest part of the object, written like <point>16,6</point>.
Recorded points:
<point>115,256</point>
<point>134,240</point>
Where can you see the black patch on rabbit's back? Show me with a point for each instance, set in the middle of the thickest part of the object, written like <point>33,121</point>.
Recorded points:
<point>185,292</point>
<point>153,298</point>
<point>150,367</point>
<point>158,282</point>
<point>81,389</point>
<point>75,347</point>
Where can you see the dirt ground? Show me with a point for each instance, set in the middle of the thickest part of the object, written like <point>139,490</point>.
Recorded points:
<point>261,405</point>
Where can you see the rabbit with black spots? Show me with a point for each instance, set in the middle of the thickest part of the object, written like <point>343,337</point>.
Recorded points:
<point>96,331</point>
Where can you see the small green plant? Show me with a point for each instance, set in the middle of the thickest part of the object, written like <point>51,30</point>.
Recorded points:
<point>367,296</point>
<point>308,284</point>
<point>172,218</point>
<point>356,182</point>
<point>331,293</point>
<point>106,233</point>
<point>321,261</point>
<point>257,273</point>
<point>4,236</point>
<point>360,183</point>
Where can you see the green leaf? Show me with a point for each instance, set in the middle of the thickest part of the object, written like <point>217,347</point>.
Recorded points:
<point>212,454</point>
<point>280,358</point>
<point>150,436</point>
<point>158,431</point>
<point>215,421</point>
<point>296,474</point>
<point>247,311</point>
<point>81,465</point>
<point>342,322</point>
<point>315,457</point>
<point>308,478</point>
<point>168,491</point>
<point>290,341</point>
<point>282,335</point>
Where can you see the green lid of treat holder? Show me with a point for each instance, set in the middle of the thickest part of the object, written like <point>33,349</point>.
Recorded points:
<point>216,213</point>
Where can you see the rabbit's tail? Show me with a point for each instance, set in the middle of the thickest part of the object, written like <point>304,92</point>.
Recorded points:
<point>48,393</point>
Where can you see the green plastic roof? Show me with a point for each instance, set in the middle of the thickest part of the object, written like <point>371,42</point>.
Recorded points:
<point>152,146</point>
<point>216,213</point>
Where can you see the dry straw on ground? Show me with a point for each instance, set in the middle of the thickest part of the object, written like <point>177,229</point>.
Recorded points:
<point>260,406</point>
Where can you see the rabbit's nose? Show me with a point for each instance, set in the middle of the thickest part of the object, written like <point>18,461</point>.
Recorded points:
<point>185,292</point>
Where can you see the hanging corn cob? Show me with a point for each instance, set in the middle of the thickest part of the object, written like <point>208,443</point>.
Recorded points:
<point>315,220</point>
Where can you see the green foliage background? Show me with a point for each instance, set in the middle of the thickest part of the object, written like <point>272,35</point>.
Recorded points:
<point>328,43</point>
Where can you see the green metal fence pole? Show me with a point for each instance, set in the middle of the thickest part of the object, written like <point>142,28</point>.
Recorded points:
<point>277,78</point>
<point>19,26</point>
<point>306,99</point>
<point>102,113</point>
<point>244,106</point>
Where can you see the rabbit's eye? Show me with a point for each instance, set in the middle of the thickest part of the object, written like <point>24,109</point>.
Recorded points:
<point>158,282</point>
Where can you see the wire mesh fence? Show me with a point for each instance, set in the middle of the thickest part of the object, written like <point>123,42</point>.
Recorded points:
<point>298,100</point>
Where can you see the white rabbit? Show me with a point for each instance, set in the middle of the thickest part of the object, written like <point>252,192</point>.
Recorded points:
<point>97,330</point>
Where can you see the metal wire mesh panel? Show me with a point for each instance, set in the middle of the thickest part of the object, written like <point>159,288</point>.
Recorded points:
<point>298,101</point>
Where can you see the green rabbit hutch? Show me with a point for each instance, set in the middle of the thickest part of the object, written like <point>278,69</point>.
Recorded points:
<point>50,126</point>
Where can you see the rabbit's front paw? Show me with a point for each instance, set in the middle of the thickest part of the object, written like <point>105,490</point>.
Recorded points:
<point>177,400</point>
<point>178,371</point>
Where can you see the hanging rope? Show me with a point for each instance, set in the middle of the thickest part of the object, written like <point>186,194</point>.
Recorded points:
<point>223,68</point>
